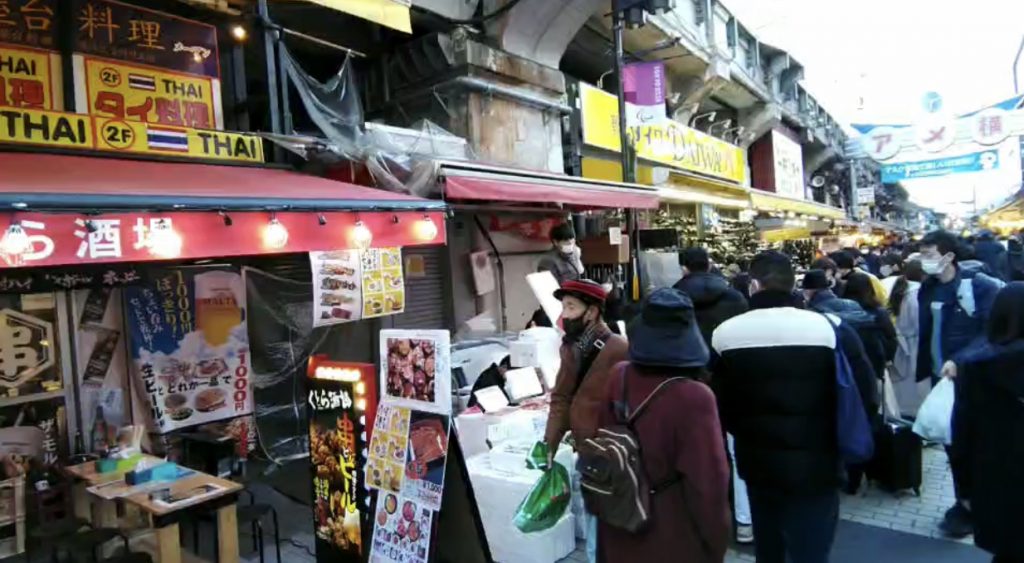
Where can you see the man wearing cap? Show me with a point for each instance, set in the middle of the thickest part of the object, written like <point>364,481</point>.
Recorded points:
<point>589,352</point>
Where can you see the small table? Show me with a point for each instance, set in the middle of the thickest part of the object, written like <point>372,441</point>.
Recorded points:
<point>163,518</point>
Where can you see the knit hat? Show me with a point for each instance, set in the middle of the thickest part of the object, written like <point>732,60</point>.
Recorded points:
<point>815,279</point>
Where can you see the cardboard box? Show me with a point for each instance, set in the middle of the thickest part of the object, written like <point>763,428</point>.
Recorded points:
<point>597,251</point>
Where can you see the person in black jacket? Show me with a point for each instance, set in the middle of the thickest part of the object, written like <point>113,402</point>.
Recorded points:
<point>713,299</point>
<point>860,291</point>
<point>774,372</point>
<point>988,428</point>
<point>990,251</point>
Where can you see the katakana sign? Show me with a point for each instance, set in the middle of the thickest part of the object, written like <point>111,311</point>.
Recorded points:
<point>26,347</point>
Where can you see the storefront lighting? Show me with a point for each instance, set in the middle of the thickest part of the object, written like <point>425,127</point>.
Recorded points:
<point>321,219</point>
<point>275,235</point>
<point>164,242</point>
<point>227,218</point>
<point>239,32</point>
<point>360,388</point>
<point>361,404</point>
<point>362,237</point>
<point>15,243</point>
<point>338,374</point>
<point>426,229</point>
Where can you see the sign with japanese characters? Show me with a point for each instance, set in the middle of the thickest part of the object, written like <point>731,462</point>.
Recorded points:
<point>36,431</point>
<point>29,348</point>
<point>788,165</point>
<point>28,22</point>
<point>65,239</point>
<point>129,33</point>
<point>29,78</point>
<point>76,131</point>
<point>189,346</point>
<point>337,438</point>
<point>126,92</point>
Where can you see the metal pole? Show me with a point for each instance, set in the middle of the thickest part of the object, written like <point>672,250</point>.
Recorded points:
<point>273,94</point>
<point>1016,67</point>
<point>626,152</point>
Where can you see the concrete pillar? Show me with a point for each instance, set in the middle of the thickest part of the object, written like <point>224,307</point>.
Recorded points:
<point>693,90</point>
<point>815,157</point>
<point>540,30</point>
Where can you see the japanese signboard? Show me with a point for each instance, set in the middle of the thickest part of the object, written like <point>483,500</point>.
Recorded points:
<point>35,430</point>
<point>189,346</point>
<point>129,33</point>
<point>670,143</point>
<point>76,131</point>
<point>28,22</point>
<point>29,78</point>
<point>336,440</point>
<point>126,92</point>
<point>789,166</point>
<point>33,280</point>
<point>973,162</point>
<point>29,355</point>
<point>63,239</point>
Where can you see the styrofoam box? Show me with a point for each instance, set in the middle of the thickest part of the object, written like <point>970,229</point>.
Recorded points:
<point>498,493</point>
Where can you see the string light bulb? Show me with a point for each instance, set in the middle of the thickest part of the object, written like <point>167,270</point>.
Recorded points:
<point>15,243</point>
<point>362,237</point>
<point>239,32</point>
<point>425,229</point>
<point>275,235</point>
<point>164,241</point>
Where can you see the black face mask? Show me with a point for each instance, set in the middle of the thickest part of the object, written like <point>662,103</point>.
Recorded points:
<point>574,328</point>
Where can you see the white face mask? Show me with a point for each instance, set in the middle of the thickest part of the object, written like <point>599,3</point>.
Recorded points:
<point>567,248</point>
<point>886,270</point>
<point>932,266</point>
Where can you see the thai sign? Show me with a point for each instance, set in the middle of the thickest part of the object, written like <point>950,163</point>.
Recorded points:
<point>670,143</point>
<point>76,131</point>
<point>29,78</point>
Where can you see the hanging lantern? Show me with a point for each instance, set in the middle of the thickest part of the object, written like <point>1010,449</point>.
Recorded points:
<point>275,235</point>
<point>164,241</point>
<point>362,236</point>
<point>425,229</point>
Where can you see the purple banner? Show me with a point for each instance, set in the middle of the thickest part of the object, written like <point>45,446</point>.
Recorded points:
<point>644,83</point>
<point>129,33</point>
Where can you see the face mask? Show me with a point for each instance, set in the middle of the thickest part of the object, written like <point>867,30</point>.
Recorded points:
<point>574,327</point>
<point>568,248</point>
<point>933,267</point>
<point>886,270</point>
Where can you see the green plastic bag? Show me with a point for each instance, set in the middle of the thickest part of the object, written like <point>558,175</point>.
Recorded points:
<point>549,498</point>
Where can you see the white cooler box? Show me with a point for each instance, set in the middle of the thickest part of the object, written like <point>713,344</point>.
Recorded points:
<point>498,493</point>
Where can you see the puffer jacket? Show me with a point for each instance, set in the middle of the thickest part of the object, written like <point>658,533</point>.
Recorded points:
<point>714,301</point>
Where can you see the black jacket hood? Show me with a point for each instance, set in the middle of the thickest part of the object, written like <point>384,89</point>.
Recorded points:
<point>703,287</point>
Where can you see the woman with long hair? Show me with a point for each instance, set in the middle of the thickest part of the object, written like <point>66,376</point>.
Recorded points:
<point>860,288</point>
<point>988,428</point>
<point>902,305</point>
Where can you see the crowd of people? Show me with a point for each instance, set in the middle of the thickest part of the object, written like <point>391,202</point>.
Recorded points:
<point>747,442</point>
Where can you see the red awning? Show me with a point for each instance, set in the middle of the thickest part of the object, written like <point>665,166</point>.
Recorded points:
<point>49,181</point>
<point>545,188</point>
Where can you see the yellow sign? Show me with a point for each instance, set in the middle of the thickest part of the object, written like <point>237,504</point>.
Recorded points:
<point>76,131</point>
<point>27,78</point>
<point>389,13</point>
<point>127,92</point>
<point>669,143</point>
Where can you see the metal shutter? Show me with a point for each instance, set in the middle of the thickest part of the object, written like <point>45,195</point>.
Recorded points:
<point>426,303</point>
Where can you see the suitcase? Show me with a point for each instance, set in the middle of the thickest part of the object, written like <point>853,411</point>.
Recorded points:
<point>896,465</point>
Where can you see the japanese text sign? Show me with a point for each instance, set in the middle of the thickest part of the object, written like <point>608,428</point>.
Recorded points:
<point>27,78</point>
<point>190,346</point>
<point>670,143</point>
<point>788,165</point>
<point>28,22</point>
<point>76,131</point>
<point>130,33</point>
<point>132,93</point>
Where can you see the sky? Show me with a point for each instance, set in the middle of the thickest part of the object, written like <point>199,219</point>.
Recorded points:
<point>871,61</point>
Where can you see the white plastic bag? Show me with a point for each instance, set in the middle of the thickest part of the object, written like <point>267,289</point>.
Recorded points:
<point>935,418</point>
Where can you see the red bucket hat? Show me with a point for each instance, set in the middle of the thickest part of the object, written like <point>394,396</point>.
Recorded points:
<point>589,292</point>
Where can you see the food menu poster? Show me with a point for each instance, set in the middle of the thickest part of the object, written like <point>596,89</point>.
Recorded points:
<point>349,285</point>
<point>336,438</point>
<point>416,369</point>
<point>189,346</point>
<point>385,468</point>
<point>401,530</point>
<point>407,454</point>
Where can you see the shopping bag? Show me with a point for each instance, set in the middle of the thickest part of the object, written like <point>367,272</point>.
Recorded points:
<point>890,404</point>
<point>549,498</point>
<point>935,417</point>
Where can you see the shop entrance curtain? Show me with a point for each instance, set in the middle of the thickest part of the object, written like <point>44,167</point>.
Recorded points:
<point>389,13</point>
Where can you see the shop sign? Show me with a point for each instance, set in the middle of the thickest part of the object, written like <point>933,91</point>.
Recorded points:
<point>670,143</point>
<point>26,78</point>
<point>866,196</point>
<point>124,92</point>
<point>190,347</point>
<point>990,126</point>
<point>26,347</point>
<point>65,239</point>
<point>33,280</point>
<point>34,431</point>
<point>130,33</point>
<point>789,166</point>
<point>82,132</point>
<point>28,22</point>
<point>974,162</point>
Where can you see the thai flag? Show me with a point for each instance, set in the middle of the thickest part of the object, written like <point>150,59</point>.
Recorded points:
<point>142,82</point>
<point>164,139</point>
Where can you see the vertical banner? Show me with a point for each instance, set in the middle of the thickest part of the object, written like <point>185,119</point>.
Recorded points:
<point>336,440</point>
<point>189,346</point>
<point>644,89</point>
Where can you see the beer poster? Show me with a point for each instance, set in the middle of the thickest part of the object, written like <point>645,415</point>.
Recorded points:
<point>189,346</point>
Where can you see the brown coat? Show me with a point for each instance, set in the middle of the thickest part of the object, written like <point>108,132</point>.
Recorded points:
<point>580,413</point>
